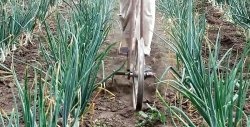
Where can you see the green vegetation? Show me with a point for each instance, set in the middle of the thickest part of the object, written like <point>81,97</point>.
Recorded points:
<point>17,21</point>
<point>217,90</point>
<point>61,94</point>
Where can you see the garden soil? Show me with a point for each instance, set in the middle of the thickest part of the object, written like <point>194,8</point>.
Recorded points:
<point>112,107</point>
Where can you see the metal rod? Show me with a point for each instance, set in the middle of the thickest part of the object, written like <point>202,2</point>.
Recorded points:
<point>122,73</point>
<point>141,20</point>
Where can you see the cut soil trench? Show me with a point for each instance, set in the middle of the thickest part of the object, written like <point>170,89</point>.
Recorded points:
<point>117,110</point>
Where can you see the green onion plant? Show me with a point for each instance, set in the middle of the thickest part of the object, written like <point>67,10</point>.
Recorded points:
<point>17,21</point>
<point>75,48</point>
<point>61,94</point>
<point>38,107</point>
<point>216,90</point>
<point>240,11</point>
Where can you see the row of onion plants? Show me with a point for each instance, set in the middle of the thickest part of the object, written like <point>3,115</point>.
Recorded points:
<point>18,19</point>
<point>60,96</point>
<point>216,90</point>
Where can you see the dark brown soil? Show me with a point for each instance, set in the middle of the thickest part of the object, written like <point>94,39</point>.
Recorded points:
<point>231,36</point>
<point>26,54</point>
<point>117,111</point>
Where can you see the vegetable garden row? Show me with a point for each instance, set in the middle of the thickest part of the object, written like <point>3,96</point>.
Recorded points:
<point>60,92</point>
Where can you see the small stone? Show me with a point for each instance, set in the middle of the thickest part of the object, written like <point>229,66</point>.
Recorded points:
<point>10,85</point>
<point>119,102</point>
<point>102,108</point>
